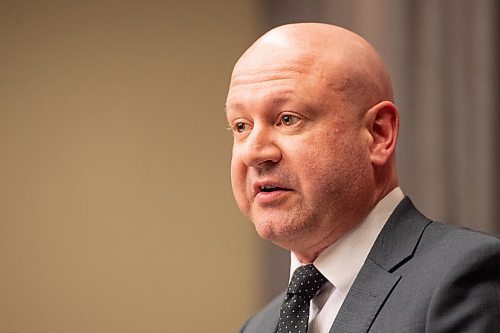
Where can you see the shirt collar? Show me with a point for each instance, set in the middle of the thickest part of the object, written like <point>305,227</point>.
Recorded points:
<point>341,262</point>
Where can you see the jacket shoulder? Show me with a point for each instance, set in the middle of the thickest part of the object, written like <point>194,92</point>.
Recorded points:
<point>266,320</point>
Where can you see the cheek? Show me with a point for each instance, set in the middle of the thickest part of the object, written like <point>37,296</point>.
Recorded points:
<point>317,171</point>
<point>310,163</point>
<point>236,176</point>
<point>328,165</point>
<point>238,179</point>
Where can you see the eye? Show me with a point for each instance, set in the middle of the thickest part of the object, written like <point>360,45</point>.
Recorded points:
<point>240,127</point>
<point>289,119</point>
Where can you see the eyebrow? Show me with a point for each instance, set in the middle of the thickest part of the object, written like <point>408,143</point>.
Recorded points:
<point>237,106</point>
<point>280,100</point>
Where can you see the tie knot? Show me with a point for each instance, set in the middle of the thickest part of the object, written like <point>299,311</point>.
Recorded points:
<point>306,281</point>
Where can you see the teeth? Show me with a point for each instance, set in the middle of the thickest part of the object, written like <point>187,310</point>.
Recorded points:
<point>269,188</point>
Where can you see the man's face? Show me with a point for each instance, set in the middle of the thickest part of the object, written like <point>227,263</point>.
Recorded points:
<point>298,168</point>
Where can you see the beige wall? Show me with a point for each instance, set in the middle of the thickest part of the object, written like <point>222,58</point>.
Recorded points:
<point>116,213</point>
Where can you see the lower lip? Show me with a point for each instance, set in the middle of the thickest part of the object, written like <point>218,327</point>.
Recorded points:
<point>274,197</point>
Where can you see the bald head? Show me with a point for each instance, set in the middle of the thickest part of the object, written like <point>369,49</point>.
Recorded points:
<point>310,106</point>
<point>343,61</point>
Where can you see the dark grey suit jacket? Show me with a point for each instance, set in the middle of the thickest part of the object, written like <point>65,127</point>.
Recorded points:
<point>420,276</point>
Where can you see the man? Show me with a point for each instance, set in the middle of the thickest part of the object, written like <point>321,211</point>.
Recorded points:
<point>313,167</point>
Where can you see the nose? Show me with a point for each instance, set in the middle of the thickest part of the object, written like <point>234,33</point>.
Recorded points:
<point>260,148</point>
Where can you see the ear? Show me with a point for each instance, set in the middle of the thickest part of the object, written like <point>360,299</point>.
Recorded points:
<point>382,123</point>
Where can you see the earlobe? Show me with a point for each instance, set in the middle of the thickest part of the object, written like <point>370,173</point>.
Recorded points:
<point>383,124</point>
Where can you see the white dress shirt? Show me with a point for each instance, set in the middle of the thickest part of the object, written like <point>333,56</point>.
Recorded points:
<point>341,262</point>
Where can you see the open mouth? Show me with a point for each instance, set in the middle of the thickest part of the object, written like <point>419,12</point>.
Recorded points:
<point>271,188</point>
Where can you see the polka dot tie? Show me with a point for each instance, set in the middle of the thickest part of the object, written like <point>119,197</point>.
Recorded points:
<point>294,312</point>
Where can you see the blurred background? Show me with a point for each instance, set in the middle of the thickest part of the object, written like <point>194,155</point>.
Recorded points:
<point>116,211</point>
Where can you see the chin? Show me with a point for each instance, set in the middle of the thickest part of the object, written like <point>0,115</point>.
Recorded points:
<point>277,232</point>
<point>265,230</point>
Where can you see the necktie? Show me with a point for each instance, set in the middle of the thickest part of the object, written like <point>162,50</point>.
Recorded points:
<point>294,312</point>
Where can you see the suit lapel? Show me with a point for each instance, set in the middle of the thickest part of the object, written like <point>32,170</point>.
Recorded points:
<point>377,278</point>
<point>371,288</point>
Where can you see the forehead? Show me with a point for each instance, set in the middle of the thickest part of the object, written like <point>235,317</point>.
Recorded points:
<point>274,76</point>
<point>274,73</point>
<point>273,91</point>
